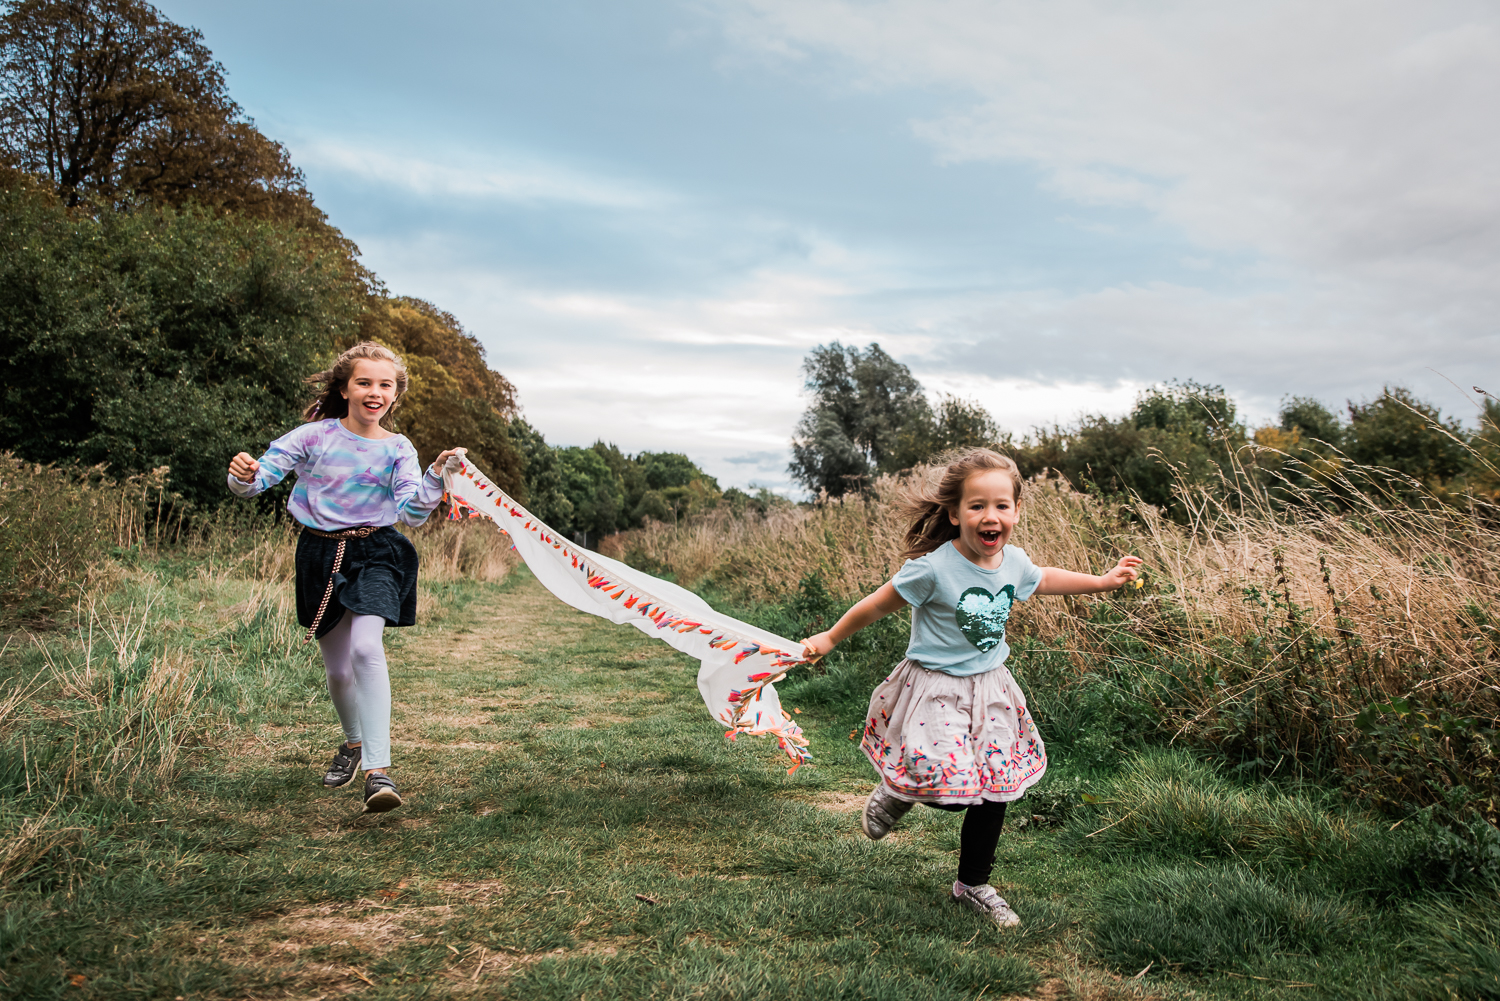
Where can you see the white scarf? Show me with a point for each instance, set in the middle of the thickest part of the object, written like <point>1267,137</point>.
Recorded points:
<point>738,661</point>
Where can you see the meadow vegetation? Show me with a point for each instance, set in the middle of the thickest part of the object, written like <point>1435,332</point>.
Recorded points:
<point>1354,644</point>
<point>1272,768</point>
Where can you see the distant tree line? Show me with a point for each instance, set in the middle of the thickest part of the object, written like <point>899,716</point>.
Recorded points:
<point>166,282</point>
<point>598,490</point>
<point>869,415</point>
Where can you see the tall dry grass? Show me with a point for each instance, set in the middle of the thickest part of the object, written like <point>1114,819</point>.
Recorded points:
<point>143,671</point>
<point>157,639</point>
<point>464,550</point>
<point>131,709</point>
<point>58,527</point>
<point>1336,635</point>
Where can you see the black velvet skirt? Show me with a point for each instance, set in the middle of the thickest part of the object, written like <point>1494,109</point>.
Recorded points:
<point>377,577</point>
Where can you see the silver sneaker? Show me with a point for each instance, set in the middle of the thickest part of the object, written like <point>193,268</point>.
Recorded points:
<point>881,812</point>
<point>984,900</point>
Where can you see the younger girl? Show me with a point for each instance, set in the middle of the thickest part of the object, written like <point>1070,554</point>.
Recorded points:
<point>355,573</point>
<point>949,727</point>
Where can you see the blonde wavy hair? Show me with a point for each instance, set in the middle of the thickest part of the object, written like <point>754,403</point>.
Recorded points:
<point>930,501</point>
<point>330,400</point>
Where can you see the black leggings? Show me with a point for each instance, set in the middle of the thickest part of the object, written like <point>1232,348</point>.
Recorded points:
<point>977,840</point>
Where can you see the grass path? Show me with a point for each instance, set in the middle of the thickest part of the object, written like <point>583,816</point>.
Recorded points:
<point>575,827</point>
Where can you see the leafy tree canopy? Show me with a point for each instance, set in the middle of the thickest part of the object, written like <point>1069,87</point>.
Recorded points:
<point>1399,431</point>
<point>167,281</point>
<point>455,398</point>
<point>864,407</point>
<point>1311,420</point>
<point>158,336</point>
<point>107,98</point>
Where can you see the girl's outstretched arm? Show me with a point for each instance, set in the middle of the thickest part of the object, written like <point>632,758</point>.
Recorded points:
<point>1057,581</point>
<point>868,609</point>
<point>249,476</point>
<point>418,492</point>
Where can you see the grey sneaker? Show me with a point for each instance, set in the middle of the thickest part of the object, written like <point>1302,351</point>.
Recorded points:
<point>984,900</point>
<point>345,766</point>
<point>380,793</point>
<point>881,812</point>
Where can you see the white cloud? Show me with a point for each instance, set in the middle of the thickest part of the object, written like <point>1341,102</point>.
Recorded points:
<point>1326,170</point>
<point>715,376</point>
<point>471,176</point>
<point>1347,149</point>
<point>1338,130</point>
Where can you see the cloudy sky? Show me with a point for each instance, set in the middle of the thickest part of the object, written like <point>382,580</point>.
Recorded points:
<point>648,212</point>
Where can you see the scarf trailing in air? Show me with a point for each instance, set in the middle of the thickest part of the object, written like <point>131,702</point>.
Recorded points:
<point>738,662</point>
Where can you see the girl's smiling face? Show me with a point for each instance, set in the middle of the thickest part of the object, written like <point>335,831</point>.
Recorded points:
<point>371,391</point>
<point>986,516</point>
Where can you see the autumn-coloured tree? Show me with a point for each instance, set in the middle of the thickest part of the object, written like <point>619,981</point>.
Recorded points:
<point>455,398</point>
<point>111,99</point>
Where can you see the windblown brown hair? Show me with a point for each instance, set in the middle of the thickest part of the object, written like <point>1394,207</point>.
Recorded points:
<point>929,502</point>
<point>330,400</point>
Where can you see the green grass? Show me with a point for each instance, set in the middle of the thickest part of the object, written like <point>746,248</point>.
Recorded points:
<point>557,767</point>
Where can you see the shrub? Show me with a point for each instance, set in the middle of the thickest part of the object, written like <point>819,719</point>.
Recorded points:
<point>159,337</point>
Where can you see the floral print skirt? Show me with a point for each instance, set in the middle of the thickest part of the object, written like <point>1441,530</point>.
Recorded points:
<point>938,739</point>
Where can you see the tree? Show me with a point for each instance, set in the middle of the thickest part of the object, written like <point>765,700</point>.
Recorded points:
<point>158,336</point>
<point>1297,459</point>
<point>1398,431</point>
<point>1311,420</point>
<point>1483,476</point>
<point>455,398</point>
<point>593,490</point>
<point>861,403</point>
<point>107,97</point>
<point>1202,413</point>
<point>1177,432</point>
<point>956,423</point>
<point>675,488</point>
<point>541,489</point>
<point>661,486</point>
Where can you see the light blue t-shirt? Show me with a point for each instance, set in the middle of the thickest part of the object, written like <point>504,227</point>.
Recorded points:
<point>345,481</point>
<point>959,610</point>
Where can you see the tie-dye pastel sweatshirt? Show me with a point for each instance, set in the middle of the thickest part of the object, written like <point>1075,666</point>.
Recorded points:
<point>345,481</point>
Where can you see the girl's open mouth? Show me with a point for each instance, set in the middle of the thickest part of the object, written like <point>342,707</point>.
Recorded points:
<point>989,538</point>
<point>374,406</point>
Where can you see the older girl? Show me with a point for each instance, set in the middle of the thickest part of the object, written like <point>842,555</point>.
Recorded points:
<point>949,727</point>
<point>355,573</point>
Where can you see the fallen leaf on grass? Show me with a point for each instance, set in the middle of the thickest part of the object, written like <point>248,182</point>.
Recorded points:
<point>362,977</point>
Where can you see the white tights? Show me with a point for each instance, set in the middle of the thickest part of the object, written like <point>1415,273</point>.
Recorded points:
<point>358,683</point>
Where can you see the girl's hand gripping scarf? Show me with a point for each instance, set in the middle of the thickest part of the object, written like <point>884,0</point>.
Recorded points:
<point>739,662</point>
